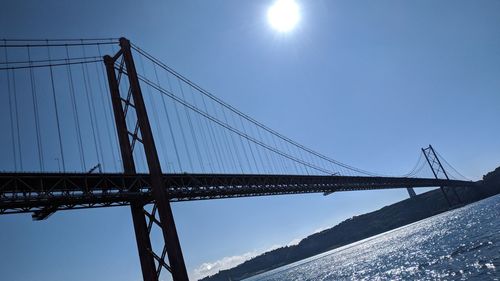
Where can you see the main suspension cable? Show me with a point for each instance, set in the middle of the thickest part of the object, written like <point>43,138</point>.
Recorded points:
<point>453,168</point>
<point>219,122</point>
<point>248,118</point>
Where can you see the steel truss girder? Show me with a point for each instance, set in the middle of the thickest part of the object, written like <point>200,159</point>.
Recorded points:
<point>29,192</point>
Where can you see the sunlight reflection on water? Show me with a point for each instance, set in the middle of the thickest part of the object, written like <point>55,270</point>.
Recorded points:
<point>462,244</point>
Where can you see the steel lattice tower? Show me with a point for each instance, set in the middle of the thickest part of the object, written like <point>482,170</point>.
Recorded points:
<point>151,263</point>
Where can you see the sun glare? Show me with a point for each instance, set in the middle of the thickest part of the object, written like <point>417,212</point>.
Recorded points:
<point>283,15</point>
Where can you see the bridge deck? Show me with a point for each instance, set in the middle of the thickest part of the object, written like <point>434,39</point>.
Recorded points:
<point>30,192</point>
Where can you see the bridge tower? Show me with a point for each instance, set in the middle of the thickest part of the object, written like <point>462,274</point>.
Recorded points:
<point>161,214</point>
<point>438,170</point>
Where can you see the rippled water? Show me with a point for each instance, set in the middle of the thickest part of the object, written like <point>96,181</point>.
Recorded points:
<point>463,244</point>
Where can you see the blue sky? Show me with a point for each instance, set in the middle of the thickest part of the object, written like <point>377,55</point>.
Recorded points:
<point>367,83</point>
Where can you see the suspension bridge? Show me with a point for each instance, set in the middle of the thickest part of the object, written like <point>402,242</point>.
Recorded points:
<point>100,122</point>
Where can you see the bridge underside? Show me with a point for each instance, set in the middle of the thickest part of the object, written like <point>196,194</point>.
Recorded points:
<point>49,192</point>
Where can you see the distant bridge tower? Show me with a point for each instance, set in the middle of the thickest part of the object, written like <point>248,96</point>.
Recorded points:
<point>438,170</point>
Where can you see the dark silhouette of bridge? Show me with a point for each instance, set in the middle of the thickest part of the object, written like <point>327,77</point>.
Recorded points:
<point>227,153</point>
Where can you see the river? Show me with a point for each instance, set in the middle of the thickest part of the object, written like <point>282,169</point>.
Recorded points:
<point>461,244</point>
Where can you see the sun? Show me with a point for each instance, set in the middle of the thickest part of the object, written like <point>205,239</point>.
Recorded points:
<point>283,15</point>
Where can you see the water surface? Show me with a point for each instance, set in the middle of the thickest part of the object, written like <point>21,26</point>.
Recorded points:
<point>462,244</point>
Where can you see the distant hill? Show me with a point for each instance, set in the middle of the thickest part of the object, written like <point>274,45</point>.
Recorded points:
<point>363,226</point>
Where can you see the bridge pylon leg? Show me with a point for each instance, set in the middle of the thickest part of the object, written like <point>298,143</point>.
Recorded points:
<point>161,215</point>
<point>411,192</point>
